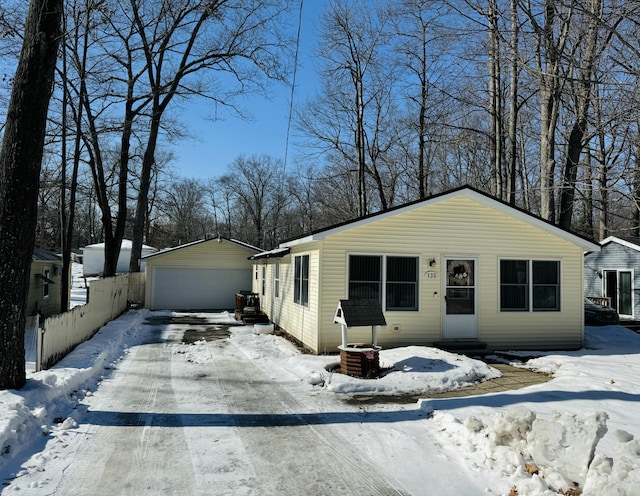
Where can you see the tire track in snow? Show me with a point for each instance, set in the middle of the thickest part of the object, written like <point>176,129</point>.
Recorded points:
<point>289,455</point>
<point>137,444</point>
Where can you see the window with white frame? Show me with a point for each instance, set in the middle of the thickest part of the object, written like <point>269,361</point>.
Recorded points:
<point>529,285</point>
<point>301,280</point>
<point>45,282</point>
<point>276,280</point>
<point>264,279</point>
<point>391,280</point>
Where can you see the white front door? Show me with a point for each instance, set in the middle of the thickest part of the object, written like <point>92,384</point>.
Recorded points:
<point>460,300</point>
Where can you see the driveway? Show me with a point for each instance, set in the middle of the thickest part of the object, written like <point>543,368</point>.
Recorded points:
<point>162,423</point>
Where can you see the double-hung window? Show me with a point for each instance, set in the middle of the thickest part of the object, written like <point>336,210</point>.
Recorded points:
<point>529,285</point>
<point>276,280</point>
<point>301,280</point>
<point>393,281</point>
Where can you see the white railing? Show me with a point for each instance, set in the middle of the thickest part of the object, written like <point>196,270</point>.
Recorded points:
<point>107,299</point>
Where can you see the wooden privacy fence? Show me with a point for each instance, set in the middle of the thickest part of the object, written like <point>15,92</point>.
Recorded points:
<point>107,299</point>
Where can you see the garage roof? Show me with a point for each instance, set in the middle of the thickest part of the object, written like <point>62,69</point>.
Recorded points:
<point>219,239</point>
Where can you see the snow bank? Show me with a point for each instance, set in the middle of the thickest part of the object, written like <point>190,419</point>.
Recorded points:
<point>548,456</point>
<point>51,393</point>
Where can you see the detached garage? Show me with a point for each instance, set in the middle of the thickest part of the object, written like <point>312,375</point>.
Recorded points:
<point>203,275</point>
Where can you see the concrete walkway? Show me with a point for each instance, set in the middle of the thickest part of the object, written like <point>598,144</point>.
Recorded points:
<point>512,378</point>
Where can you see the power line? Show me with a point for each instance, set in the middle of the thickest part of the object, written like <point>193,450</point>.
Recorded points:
<point>293,85</point>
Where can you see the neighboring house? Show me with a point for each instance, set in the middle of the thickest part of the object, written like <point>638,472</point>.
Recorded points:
<point>613,272</point>
<point>458,267</point>
<point>93,258</point>
<point>45,284</point>
<point>205,274</point>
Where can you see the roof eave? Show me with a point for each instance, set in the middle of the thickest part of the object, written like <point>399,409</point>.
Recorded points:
<point>529,218</point>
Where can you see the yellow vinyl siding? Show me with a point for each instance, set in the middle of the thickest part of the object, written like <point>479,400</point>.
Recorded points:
<point>458,227</point>
<point>36,302</point>
<point>301,322</point>
<point>208,254</point>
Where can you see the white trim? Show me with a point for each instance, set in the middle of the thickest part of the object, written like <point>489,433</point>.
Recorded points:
<point>300,303</point>
<point>460,326</point>
<point>603,290</point>
<point>276,280</point>
<point>46,273</point>
<point>613,239</point>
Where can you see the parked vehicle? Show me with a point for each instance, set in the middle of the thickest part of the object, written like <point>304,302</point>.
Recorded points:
<point>597,315</point>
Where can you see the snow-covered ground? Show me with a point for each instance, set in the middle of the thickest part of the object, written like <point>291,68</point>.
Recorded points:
<point>580,431</point>
<point>79,285</point>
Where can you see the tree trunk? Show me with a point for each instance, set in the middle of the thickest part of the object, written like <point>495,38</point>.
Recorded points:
<point>549,52</point>
<point>20,163</point>
<point>422,125</point>
<point>495,103</point>
<point>588,201</point>
<point>547,157</point>
<point>583,101</point>
<point>513,106</point>
<point>574,150</point>
<point>636,190</point>
<point>148,161</point>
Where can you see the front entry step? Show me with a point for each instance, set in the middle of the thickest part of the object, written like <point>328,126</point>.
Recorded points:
<point>464,346</point>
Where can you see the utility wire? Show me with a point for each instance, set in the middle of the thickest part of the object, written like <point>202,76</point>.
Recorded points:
<point>293,86</point>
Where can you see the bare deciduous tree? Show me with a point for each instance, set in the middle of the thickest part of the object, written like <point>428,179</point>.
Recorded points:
<point>20,162</point>
<point>183,47</point>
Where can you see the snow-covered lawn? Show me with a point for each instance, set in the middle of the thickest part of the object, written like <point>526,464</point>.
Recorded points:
<point>79,285</point>
<point>579,431</point>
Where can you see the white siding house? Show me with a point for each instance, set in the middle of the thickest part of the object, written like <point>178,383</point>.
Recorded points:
<point>456,267</point>
<point>205,274</point>
<point>93,258</point>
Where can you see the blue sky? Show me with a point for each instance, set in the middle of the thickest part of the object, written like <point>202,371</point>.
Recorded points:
<point>217,144</point>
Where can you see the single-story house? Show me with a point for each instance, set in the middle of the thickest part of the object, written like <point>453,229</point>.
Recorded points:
<point>460,266</point>
<point>610,273</point>
<point>93,258</point>
<point>45,284</point>
<point>205,274</point>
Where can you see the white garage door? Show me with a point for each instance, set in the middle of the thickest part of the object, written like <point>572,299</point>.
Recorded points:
<point>197,289</point>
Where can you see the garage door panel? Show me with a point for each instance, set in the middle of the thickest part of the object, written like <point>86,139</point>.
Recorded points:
<point>197,289</point>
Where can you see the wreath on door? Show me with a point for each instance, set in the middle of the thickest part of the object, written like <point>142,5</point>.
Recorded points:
<point>458,273</point>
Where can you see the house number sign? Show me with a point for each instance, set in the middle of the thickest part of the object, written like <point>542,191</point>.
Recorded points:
<point>431,274</point>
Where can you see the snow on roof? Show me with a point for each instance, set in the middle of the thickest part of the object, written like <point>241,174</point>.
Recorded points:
<point>275,253</point>
<point>126,244</point>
